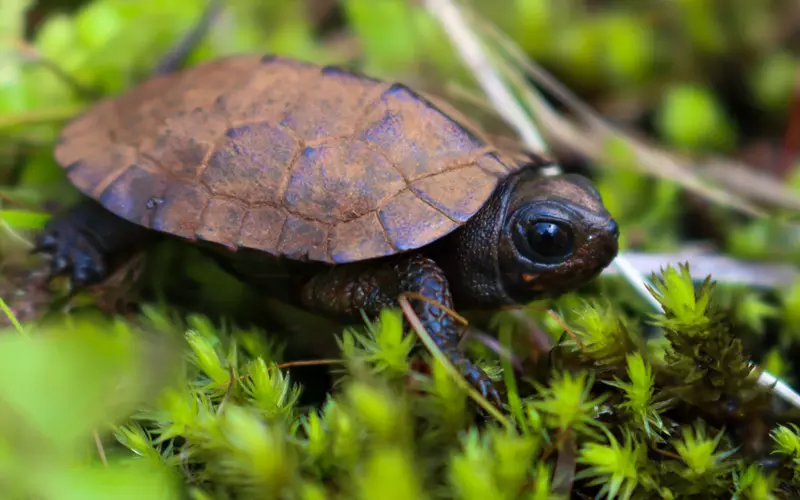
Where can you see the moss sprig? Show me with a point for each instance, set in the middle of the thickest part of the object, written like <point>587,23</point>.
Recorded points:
<point>704,468</point>
<point>639,403</point>
<point>567,404</point>
<point>754,484</point>
<point>606,336</point>
<point>617,467</point>
<point>383,348</point>
<point>499,463</point>
<point>787,446</point>
<point>707,361</point>
<point>233,425</point>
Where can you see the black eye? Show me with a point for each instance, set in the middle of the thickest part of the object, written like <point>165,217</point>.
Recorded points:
<point>550,240</point>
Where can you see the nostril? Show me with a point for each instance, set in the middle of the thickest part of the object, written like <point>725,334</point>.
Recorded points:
<point>613,228</point>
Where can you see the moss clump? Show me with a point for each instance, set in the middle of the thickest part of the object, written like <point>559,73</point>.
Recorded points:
<point>229,421</point>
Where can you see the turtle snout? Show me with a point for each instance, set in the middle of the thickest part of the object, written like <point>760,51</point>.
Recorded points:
<point>613,228</point>
<point>604,243</point>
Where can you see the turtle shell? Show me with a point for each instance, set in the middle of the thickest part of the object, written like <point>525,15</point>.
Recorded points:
<point>285,157</point>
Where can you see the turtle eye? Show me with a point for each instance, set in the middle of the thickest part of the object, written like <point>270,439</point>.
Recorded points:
<point>548,240</point>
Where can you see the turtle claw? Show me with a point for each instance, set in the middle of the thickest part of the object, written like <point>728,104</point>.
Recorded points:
<point>489,391</point>
<point>58,266</point>
<point>71,253</point>
<point>485,385</point>
<point>477,378</point>
<point>44,243</point>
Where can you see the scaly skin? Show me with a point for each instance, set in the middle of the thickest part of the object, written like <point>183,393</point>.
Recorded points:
<point>347,290</point>
<point>87,242</point>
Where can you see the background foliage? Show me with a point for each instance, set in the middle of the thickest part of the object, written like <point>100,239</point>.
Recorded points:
<point>159,401</point>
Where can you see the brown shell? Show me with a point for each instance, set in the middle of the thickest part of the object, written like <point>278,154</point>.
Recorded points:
<point>284,157</point>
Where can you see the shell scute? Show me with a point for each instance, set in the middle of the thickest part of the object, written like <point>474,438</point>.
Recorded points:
<point>268,92</point>
<point>415,136</point>
<point>340,98</point>
<point>282,156</point>
<point>359,239</point>
<point>181,208</point>
<point>456,193</point>
<point>221,222</point>
<point>88,172</point>
<point>252,164</point>
<point>262,228</point>
<point>340,182</point>
<point>129,194</point>
<point>411,223</point>
<point>304,240</point>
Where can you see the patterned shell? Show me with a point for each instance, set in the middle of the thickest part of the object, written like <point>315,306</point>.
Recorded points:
<point>283,156</point>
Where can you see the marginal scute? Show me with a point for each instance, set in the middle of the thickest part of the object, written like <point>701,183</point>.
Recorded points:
<point>493,165</point>
<point>304,240</point>
<point>456,115</point>
<point>363,238</point>
<point>89,131</point>
<point>262,227</point>
<point>181,208</point>
<point>221,221</point>
<point>340,181</point>
<point>411,223</point>
<point>265,95</point>
<point>341,71</point>
<point>88,171</point>
<point>128,195</point>
<point>203,84</point>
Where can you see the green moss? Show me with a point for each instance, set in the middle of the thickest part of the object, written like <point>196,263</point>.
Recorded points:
<point>229,420</point>
<point>167,404</point>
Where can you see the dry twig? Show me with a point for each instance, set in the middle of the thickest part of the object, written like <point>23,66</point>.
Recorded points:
<point>592,141</point>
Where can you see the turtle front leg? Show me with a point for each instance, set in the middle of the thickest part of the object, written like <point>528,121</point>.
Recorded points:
<point>86,241</point>
<point>348,289</point>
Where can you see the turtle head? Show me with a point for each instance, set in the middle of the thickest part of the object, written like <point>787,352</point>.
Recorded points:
<point>554,235</point>
<point>536,236</point>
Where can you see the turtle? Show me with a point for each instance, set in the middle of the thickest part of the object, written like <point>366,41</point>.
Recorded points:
<point>350,189</point>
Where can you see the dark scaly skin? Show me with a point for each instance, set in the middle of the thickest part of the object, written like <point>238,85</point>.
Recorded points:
<point>347,290</point>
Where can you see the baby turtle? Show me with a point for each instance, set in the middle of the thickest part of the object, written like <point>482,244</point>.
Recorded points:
<point>327,189</point>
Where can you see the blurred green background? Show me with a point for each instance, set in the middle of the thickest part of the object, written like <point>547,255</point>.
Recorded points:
<point>697,77</point>
<point>700,76</point>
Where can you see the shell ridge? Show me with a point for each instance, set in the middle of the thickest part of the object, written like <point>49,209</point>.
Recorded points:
<point>427,202</point>
<point>280,195</point>
<point>385,230</point>
<point>383,155</point>
<point>201,219</point>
